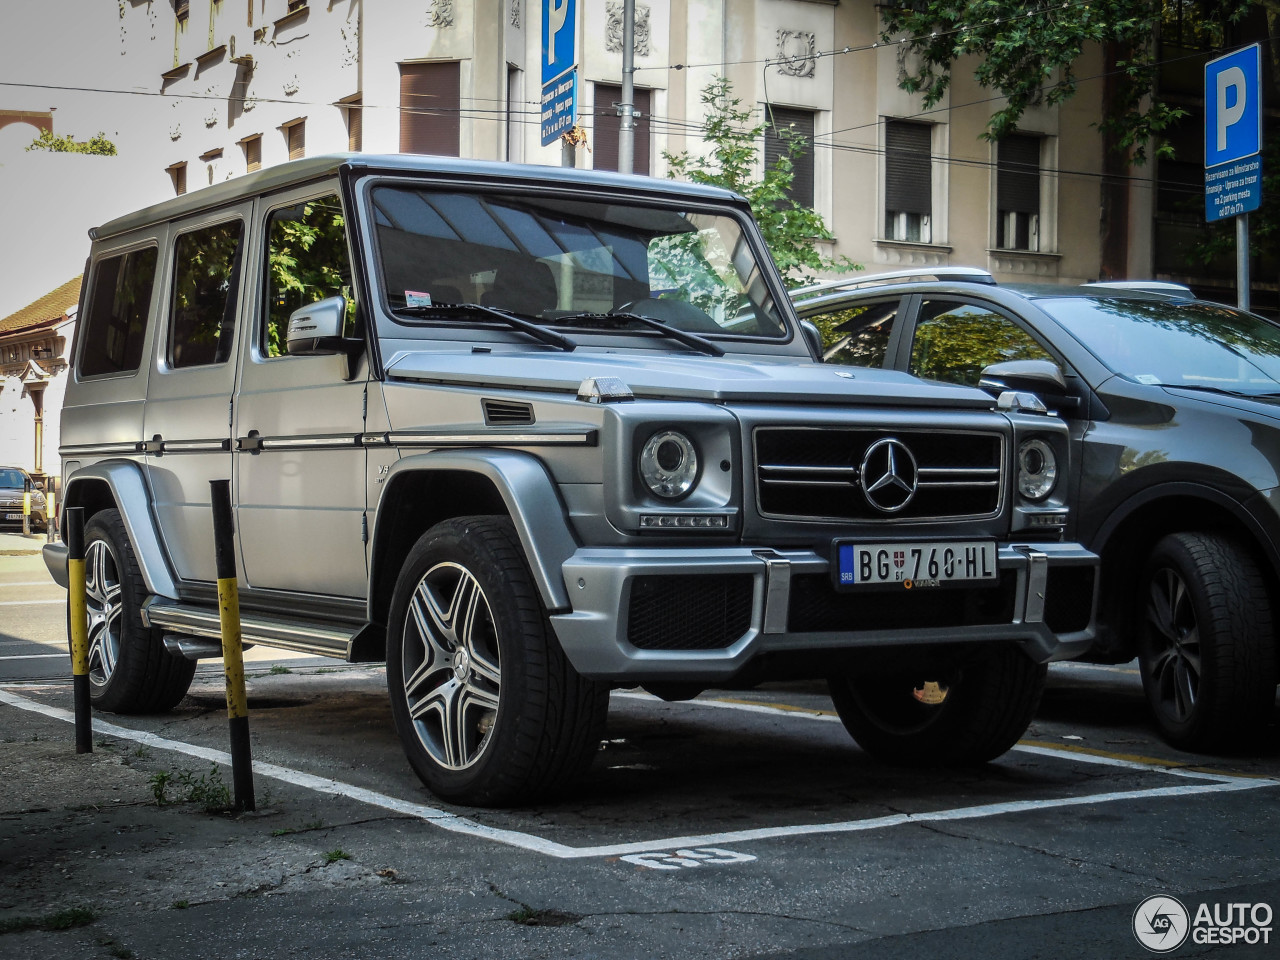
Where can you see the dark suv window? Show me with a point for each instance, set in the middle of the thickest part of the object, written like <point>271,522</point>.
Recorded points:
<point>205,283</point>
<point>116,321</point>
<point>306,261</point>
<point>955,341</point>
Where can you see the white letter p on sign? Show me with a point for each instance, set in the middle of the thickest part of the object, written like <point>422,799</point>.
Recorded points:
<point>1227,79</point>
<point>556,13</point>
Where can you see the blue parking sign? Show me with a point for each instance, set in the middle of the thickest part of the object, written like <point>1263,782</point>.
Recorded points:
<point>1233,106</point>
<point>559,54</point>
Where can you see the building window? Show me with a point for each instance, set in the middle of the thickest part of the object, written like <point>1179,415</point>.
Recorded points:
<point>908,181</point>
<point>784,125</point>
<point>607,123</point>
<point>295,134</point>
<point>355,125</point>
<point>178,174</point>
<point>252,147</point>
<point>429,108</point>
<point>1018,193</point>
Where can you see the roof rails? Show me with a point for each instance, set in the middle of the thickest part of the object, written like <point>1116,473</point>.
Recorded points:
<point>953,274</point>
<point>1146,286</point>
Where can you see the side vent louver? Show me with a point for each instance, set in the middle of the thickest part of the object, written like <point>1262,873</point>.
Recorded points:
<point>506,413</point>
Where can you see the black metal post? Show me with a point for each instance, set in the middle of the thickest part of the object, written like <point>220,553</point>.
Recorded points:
<point>232,648</point>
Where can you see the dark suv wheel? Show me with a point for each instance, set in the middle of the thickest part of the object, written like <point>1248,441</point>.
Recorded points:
<point>1207,649</point>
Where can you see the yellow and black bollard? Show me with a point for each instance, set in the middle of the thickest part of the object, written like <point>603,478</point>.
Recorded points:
<point>232,650</point>
<point>26,507</point>
<point>78,625</point>
<point>51,511</point>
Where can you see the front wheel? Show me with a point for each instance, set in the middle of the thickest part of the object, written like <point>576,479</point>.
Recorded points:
<point>967,714</point>
<point>1206,647</point>
<point>489,710</point>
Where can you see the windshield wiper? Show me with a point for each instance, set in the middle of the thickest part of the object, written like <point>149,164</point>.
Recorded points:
<point>701,344</point>
<point>512,320</point>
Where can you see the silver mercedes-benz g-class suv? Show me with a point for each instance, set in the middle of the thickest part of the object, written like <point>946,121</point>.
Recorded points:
<point>528,434</point>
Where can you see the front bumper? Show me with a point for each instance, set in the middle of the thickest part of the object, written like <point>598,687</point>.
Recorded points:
<point>700,615</point>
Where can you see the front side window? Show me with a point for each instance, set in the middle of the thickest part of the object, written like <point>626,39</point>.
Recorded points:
<point>955,341</point>
<point>205,283</point>
<point>116,321</point>
<point>306,261</point>
<point>569,262</point>
<point>908,181</point>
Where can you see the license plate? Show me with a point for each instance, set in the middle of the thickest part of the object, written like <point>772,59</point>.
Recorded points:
<point>13,516</point>
<point>915,564</point>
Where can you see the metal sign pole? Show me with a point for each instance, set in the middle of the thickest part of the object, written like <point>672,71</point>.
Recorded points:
<point>627,126</point>
<point>1242,261</point>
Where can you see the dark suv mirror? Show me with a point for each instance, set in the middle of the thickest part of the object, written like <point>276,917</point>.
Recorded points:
<point>1035,375</point>
<point>1041,377</point>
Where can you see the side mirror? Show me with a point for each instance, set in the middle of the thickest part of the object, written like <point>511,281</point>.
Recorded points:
<point>317,328</point>
<point>1033,375</point>
<point>1041,377</point>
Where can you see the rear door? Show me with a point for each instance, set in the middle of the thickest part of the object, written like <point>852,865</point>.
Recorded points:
<point>187,421</point>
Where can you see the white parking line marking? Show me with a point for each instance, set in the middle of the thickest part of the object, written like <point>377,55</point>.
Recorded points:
<point>1218,783</point>
<point>31,603</point>
<point>39,656</point>
<point>30,583</point>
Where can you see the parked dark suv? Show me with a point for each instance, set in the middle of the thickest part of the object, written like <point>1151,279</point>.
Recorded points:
<point>1174,408</point>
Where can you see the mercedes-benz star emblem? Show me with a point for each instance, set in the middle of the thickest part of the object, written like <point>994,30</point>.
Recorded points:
<point>888,475</point>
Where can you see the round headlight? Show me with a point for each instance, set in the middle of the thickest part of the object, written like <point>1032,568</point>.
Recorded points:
<point>1037,469</point>
<point>669,464</point>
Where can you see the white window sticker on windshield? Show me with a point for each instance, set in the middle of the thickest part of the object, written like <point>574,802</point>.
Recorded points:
<point>1146,378</point>
<point>417,298</point>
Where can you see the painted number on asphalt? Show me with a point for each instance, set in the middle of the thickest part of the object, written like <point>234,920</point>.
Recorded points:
<point>687,858</point>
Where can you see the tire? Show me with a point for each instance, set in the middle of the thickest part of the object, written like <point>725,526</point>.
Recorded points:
<point>988,704</point>
<point>1206,643</point>
<point>488,708</point>
<point>129,669</point>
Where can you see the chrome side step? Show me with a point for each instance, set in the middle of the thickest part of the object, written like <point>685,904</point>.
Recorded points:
<point>283,633</point>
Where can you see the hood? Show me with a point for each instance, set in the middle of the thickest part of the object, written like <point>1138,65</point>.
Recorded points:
<point>729,379</point>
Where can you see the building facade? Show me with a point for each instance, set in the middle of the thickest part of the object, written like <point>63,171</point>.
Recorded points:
<point>249,83</point>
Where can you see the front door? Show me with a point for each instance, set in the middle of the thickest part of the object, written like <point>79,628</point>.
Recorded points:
<point>300,468</point>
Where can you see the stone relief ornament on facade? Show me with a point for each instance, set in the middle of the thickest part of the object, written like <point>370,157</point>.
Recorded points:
<point>613,28</point>
<point>515,13</point>
<point>441,14</point>
<point>797,53</point>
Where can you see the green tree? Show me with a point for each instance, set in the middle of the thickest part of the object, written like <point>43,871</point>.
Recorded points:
<point>735,136</point>
<point>1028,52</point>
<point>98,145</point>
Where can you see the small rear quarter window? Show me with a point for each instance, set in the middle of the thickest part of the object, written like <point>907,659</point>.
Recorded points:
<point>119,304</point>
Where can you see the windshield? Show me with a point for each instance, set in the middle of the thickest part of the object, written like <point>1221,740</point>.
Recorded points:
<point>11,478</point>
<point>1176,342</point>
<point>554,259</point>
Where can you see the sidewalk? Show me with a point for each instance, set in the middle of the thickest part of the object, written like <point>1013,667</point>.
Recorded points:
<point>14,544</point>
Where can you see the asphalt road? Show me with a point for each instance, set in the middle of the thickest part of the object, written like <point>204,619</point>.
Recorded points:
<point>736,825</point>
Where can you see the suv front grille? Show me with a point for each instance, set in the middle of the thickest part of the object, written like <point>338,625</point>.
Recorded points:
<point>811,473</point>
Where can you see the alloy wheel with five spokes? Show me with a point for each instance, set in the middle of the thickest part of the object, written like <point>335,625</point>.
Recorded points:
<point>451,663</point>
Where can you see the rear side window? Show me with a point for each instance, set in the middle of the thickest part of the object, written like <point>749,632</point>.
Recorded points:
<point>119,302</point>
<point>205,283</point>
